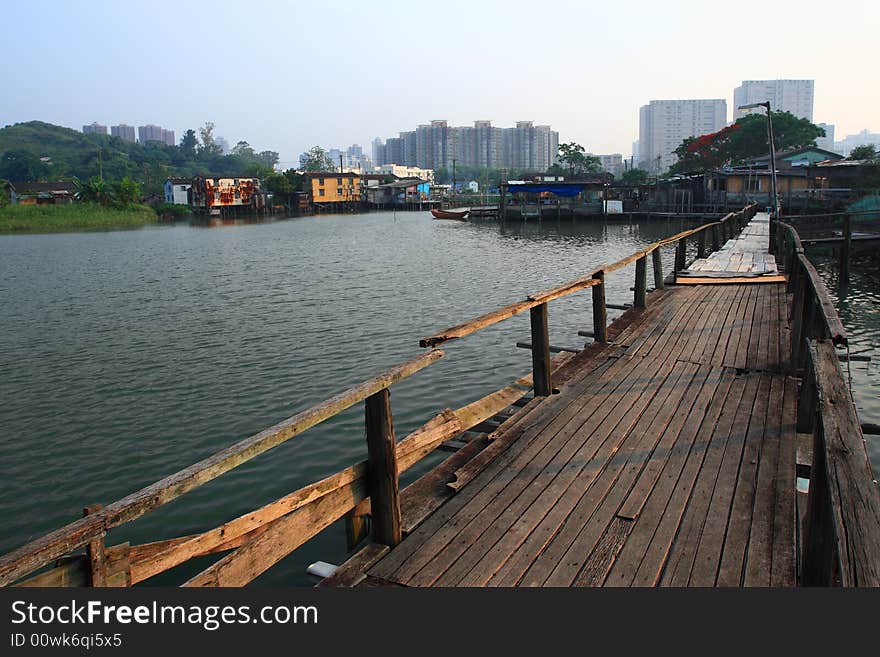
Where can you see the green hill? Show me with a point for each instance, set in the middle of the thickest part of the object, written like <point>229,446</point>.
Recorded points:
<point>41,151</point>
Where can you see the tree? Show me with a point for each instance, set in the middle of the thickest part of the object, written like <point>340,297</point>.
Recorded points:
<point>317,160</point>
<point>22,166</point>
<point>94,190</point>
<point>578,161</point>
<point>188,143</point>
<point>243,149</point>
<point>868,152</point>
<point>128,191</point>
<point>268,158</point>
<point>209,145</point>
<point>555,170</point>
<point>634,177</point>
<point>745,139</point>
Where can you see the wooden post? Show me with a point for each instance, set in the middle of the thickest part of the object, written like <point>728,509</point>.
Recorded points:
<point>797,316</point>
<point>600,312</point>
<point>540,351</point>
<point>819,550</point>
<point>680,256</point>
<point>658,269</point>
<point>97,561</point>
<point>701,244</point>
<point>355,529</point>
<point>716,240</point>
<point>641,282</point>
<point>382,469</point>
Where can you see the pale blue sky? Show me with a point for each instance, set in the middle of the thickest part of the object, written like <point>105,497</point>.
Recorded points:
<point>288,75</point>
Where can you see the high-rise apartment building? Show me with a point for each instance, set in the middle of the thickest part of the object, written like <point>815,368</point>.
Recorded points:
<point>435,145</point>
<point>664,124</point>
<point>795,96</point>
<point>125,132</point>
<point>95,129</point>
<point>152,132</point>
<point>826,142</point>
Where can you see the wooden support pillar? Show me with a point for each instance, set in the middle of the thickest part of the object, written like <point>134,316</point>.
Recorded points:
<point>382,469</point>
<point>600,312</point>
<point>658,269</point>
<point>701,244</point>
<point>716,240</point>
<point>820,558</point>
<point>96,559</point>
<point>680,256</point>
<point>641,282</point>
<point>356,527</point>
<point>540,351</point>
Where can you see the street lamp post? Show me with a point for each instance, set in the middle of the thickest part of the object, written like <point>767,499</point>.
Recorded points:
<point>766,105</point>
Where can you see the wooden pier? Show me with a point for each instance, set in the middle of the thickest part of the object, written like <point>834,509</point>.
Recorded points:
<point>666,452</point>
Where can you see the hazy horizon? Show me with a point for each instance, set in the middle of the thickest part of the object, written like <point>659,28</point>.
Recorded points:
<point>287,77</point>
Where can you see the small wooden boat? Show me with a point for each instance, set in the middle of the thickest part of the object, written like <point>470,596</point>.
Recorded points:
<point>446,214</point>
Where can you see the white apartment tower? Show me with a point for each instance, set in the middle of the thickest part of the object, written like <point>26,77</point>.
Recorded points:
<point>795,96</point>
<point>664,124</point>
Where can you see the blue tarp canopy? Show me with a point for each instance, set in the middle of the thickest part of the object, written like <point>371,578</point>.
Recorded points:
<point>558,190</point>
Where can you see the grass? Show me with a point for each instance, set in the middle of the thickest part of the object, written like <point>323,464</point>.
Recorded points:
<point>72,217</point>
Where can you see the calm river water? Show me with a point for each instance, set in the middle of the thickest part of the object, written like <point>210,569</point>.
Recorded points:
<point>125,356</point>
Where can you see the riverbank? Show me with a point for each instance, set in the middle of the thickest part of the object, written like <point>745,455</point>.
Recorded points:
<point>72,217</point>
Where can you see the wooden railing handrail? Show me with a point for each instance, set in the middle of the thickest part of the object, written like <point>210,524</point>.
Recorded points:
<point>831,323</point>
<point>56,544</point>
<point>564,289</point>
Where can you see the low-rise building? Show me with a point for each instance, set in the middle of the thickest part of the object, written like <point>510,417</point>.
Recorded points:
<point>401,171</point>
<point>329,187</point>
<point>222,194</point>
<point>178,191</point>
<point>41,193</point>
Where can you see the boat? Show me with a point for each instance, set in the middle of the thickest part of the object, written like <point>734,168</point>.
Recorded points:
<point>446,214</point>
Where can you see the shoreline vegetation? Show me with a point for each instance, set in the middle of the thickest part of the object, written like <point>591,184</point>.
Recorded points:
<point>73,217</point>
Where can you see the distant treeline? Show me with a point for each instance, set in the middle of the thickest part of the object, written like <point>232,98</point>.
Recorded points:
<point>36,151</point>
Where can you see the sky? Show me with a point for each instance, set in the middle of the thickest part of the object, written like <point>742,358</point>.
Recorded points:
<point>288,75</point>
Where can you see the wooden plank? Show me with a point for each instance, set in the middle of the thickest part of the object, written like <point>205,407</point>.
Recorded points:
<point>599,563</point>
<point>740,522</point>
<point>486,549</point>
<point>493,508</point>
<point>759,554</point>
<point>280,538</point>
<point>353,571</point>
<point>711,543</point>
<point>704,466</point>
<point>852,488</point>
<point>517,445</point>
<point>729,280</point>
<point>597,507</point>
<point>530,536</point>
<point>659,513</point>
<point>783,565</point>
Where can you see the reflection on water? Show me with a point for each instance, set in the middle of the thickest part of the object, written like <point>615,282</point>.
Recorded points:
<point>859,310</point>
<point>128,355</point>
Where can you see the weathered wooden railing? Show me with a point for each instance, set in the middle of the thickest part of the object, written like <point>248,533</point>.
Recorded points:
<point>259,539</point>
<point>841,532</point>
<point>718,232</point>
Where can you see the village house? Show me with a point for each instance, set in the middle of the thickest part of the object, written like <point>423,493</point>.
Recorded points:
<point>41,193</point>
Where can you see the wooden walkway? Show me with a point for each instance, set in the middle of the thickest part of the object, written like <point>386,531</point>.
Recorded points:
<point>740,258</point>
<point>669,458</point>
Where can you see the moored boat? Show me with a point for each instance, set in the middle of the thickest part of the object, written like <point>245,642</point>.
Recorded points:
<point>446,214</point>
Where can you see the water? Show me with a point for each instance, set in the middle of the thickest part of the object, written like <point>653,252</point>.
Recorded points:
<point>128,355</point>
<point>859,310</point>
